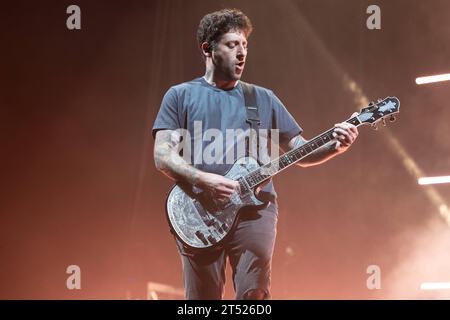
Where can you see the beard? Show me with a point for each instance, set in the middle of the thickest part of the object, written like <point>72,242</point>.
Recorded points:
<point>228,71</point>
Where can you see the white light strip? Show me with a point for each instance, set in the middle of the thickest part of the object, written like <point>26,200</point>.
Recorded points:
<point>436,78</point>
<point>434,180</point>
<point>435,285</point>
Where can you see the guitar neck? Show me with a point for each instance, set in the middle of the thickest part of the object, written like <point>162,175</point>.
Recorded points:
<point>289,158</point>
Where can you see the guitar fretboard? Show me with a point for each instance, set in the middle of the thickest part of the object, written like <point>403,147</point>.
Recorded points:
<point>270,169</point>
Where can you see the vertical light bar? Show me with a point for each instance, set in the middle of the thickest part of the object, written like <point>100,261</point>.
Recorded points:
<point>431,79</point>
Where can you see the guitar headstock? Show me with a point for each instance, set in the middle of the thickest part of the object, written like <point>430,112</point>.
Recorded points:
<point>379,111</point>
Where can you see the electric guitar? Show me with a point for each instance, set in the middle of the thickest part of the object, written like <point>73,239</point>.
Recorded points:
<point>201,222</point>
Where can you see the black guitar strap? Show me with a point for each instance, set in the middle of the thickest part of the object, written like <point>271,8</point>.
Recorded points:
<point>252,116</point>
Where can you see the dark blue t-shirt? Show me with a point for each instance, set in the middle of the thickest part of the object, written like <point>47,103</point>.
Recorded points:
<point>209,114</point>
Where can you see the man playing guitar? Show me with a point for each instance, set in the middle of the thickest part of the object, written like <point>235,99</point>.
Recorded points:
<point>217,101</point>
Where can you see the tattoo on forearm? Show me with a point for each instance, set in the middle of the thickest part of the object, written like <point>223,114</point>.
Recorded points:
<point>169,161</point>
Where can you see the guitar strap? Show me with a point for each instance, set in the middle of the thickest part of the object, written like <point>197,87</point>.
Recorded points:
<point>252,117</point>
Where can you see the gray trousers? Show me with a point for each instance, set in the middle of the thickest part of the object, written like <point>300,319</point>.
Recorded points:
<point>249,250</point>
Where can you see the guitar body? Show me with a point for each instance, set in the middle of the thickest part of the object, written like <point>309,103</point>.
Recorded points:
<point>201,222</point>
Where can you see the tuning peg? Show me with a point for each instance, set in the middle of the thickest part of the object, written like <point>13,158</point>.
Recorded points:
<point>374,126</point>
<point>384,122</point>
<point>392,119</point>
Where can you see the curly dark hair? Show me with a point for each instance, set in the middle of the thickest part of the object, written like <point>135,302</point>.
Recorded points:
<point>215,24</point>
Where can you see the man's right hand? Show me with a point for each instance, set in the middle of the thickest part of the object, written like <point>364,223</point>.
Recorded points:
<point>221,188</point>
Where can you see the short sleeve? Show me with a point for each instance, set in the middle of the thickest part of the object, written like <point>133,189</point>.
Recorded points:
<point>283,120</point>
<point>168,117</point>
